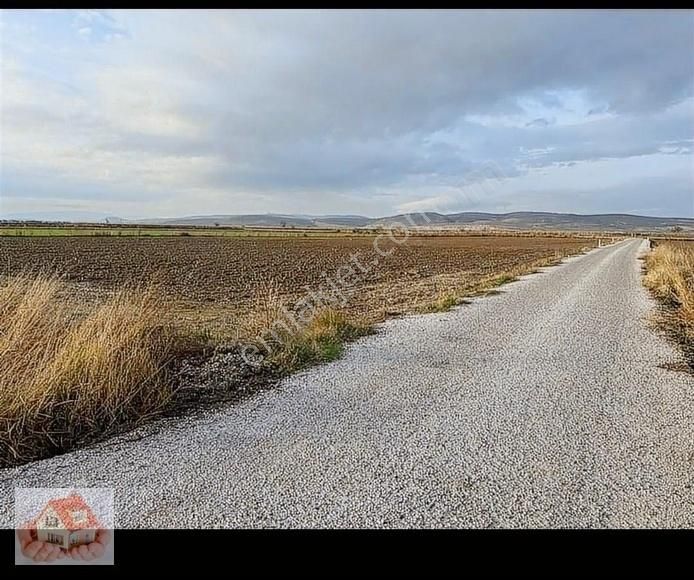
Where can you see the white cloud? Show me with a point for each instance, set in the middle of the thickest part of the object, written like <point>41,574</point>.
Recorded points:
<point>349,111</point>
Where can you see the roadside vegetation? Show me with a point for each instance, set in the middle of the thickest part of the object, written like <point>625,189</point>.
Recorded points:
<point>93,344</point>
<point>72,373</point>
<point>322,339</point>
<point>67,374</point>
<point>670,277</point>
<point>488,285</point>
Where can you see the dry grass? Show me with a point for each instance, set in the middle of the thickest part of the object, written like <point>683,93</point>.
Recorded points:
<point>291,344</point>
<point>488,285</point>
<point>73,372</point>
<point>67,375</point>
<point>444,303</point>
<point>670,276</point>
<point>322,340</point>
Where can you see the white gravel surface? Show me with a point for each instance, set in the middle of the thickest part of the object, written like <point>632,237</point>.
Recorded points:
<point>542,406</point>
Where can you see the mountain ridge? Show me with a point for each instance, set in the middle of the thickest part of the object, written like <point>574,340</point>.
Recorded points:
<point>471,220</point>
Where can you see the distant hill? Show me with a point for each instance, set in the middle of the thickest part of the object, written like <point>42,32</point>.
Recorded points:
<point>516,220</point>
<point>526,220</point>
<point>545,221</point>
<point>264,220</point>
<point>257,220</point>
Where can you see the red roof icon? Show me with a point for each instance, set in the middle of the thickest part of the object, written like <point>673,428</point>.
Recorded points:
<point>73,512</point>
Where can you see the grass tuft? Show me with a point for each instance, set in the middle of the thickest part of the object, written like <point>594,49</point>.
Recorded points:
<point>670,277</point>
<point>321,340</point>
<point>66,375</point>
<point>502,279</point>
<point>444,303</point>
<point>297,346</point>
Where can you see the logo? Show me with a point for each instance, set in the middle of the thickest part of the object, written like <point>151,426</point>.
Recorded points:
<point>59,526</point>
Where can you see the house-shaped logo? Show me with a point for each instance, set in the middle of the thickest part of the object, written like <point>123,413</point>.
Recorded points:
<point>66,522</point>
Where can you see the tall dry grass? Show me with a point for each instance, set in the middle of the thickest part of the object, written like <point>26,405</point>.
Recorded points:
<point>289,346</point>
<point>73,372</point>
<point>68,374</point>
<point>670,276</point>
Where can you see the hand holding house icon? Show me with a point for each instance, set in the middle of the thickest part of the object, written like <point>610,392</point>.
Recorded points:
<point>65,528</point>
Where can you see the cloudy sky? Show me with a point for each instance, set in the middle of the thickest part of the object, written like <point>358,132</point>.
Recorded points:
<point>171,113</point>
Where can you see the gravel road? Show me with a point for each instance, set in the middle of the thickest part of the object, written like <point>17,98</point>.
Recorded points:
<point>544,406</point>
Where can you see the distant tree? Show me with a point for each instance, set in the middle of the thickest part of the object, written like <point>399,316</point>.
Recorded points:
<point>283,224</point>
<point>216,224</point>
<point>676,229</point>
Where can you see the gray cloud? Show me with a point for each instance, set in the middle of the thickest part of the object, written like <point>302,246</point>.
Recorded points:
<point>253,106</point>
<point>539,122</point>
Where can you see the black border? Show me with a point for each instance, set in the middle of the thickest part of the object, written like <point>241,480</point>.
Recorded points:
<point>427,553</point>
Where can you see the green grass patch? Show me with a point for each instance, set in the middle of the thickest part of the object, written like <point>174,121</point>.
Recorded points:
<point>322,340</point>
<point>444,303</point>
<point>502,279</point>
